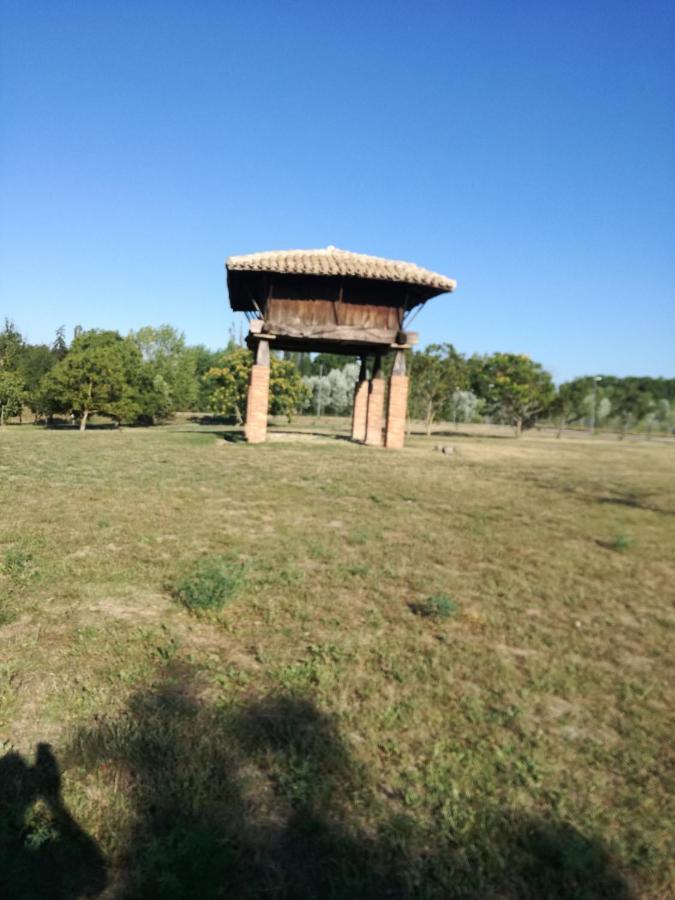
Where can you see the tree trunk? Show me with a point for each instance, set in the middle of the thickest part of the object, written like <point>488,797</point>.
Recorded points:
<point>2,416</point>
<point>518,425</point>
<point>561,427</point>
<point>428,421</point>
<point>83,420</point>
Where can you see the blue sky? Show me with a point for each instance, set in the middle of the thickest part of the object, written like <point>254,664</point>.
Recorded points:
<point>527,150</point>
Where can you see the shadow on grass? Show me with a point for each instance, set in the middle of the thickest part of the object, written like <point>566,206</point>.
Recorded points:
<point>43,851</point>
<point>456,432</point>
<point>260,800</point>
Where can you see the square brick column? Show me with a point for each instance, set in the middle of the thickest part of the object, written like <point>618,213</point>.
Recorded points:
<point>360,408</point>
<point>258,396</point>
<point>396,411</point>
<point>375,416</point>
<point>397,406</point>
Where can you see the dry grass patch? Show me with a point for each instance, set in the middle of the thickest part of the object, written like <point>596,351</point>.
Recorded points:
<point>315,737</point>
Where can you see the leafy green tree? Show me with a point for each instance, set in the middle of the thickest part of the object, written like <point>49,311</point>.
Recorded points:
<point>59,347</point>
<point>170,368</point>
<point>203,360</point>
<point>229,383</point>
<point>101,374</point>
<point>631,407</point>
<point>568,405</point>
<point>12,395</point>
<point>323,363</point>
<point>435,375</point>
<point>11,346</point>
<point>517,388</point>
<point>288,391</point>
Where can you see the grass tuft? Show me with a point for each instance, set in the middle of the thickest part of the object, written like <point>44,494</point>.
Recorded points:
<point>210,584</point>
<point>438,606</point>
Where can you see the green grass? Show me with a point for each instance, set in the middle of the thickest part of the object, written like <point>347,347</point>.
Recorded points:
<point>314,737</point>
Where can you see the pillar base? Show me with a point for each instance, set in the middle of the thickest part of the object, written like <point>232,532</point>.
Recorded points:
<point>375,414</point>
<point>397,409</point>
<point>256,404</point>
<point>360,412</point>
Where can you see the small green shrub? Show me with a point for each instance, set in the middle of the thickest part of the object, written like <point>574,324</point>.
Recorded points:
<point>210,584</point>
<point>621,542</point>
<point>17,564</point>
<point>438,606</point>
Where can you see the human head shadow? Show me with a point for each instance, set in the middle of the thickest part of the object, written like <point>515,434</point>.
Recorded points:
<point>258,799</point>
<point>43,851</point>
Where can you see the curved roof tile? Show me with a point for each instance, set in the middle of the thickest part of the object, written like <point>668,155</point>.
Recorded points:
<point>332,261</point>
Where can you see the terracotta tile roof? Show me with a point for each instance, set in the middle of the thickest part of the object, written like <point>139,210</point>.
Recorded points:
<point>332,261</point>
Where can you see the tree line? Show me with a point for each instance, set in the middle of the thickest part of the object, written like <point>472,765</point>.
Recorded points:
<point>150,374</point>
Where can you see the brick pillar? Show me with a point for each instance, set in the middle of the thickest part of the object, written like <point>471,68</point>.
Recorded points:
<point>396,411</point>
<point>360,409</point>
<point>397,406</point>
<point>258,396</point>
<point>375,415</point>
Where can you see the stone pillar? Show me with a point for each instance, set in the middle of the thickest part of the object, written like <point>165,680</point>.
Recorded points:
<point>397,406</point>
<point>258,395</point>
<point>375,414</point>
<point>360,410</point>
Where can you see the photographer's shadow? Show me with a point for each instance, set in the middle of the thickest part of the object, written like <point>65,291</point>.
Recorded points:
<point>43,851</point>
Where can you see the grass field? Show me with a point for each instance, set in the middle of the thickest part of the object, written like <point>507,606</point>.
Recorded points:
<point>330,732</point>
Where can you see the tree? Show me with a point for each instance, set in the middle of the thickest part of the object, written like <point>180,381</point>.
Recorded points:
<point>11,395</point>
<point>516,387</point>
<point>59,347</point>
<point>170,368</point>
<point>11,347</point>
<point>631,406</point>
<point>229,383</point>
<point>333,392</point>
<point>569,403</point>
<point>465,406</point>
<point>435,375</point>
<point>287,389</point>
<point>100,374</point>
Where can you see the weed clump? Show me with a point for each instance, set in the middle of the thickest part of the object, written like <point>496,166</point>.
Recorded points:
<point>210,584</point>
<point>438,606</point>
<point>17,564</point>
<point>621,543</point>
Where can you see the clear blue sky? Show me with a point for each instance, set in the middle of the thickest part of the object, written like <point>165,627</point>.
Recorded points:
<point>525,149</point>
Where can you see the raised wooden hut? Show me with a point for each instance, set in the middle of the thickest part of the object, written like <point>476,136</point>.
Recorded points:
<point>334,301</point>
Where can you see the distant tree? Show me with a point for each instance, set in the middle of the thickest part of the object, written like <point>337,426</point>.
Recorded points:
<point>632,405</point>
<point>170,369</point>
<point>435,375</point>
<point>665,414</point>
<point>229,383</point>
<point>100,374</point>
<point>287,389</point>
<point>34,363</point>
<point>333,392</point>
<point>202,359</point>
<point>12,346</point>
<point>517,388</point>
<point>323,363</point>
<point>59,346</point>
<point>569,403</point>
<point>11,395</point>
<point>465,406</point>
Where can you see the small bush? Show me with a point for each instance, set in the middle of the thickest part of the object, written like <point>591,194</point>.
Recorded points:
<point>210,584</point>
<point>439,606</point>
<point>621,542</point>
<point>17,564</point>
